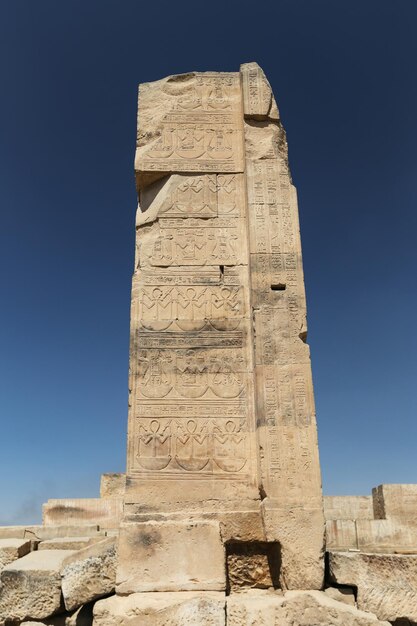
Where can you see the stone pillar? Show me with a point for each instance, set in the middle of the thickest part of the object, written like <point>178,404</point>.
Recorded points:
<point>221,430</point>
<point>290,470</point>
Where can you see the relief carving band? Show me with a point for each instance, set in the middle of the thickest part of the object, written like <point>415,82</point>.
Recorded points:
<point>221,408</point>
<point>199,129</point>
<point>190,445</point>
<point>190,374</point>
<point>191,303</point>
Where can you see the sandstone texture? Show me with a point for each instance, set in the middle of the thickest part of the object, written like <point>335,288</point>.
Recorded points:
<point>30,588</point>
<point>89,573</point>
<point>13,549</point>
<point>396,502</point>
<point>162,609</point>
<point>294,608</point>
<point>386,583</point>
<point>67,543</point>
<point>348,507</point>
<point>170,556</point>
<point>112,485</point>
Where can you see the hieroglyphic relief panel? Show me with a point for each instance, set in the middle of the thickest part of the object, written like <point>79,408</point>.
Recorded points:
<point>231,195</point>
<point>191,303</point>
<point>174,445</point>
<point>258,100</point>
<point>273,207</point>
<point>192,241</point>
<point>190,373</point>
<point>180,195</point>
<point>198,128</point>
<point>284,396</point>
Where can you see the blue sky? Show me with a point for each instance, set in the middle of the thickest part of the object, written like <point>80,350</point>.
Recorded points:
<point>345,80</point>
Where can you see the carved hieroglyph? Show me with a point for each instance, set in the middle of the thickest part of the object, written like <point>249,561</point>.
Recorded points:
<point>221,398</point>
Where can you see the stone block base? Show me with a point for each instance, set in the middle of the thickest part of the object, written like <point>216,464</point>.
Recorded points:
<point>170,556</point>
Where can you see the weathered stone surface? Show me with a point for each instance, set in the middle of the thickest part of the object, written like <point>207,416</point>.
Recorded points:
<point>189,122</point>
<point>63,530</point>
<point>112,485</point>
<point>42,533</point>
<point>31,586</point>
<point>258,100</point>
<point>89,573</point>
<point>105,512</point>
<point>386,583</point>
<point>13,549</point>
<point>162,609</point>
<point>386,535</point>
<point>341,534</point>
<point>67,543</point>
<point>300,533</point>
<point>295,608</point>
<point>170,556</point>
<point>341,594</point>
<point>254,565</point>
<point>81,617</point>
<point>348,507</point>
<point>396,502</point>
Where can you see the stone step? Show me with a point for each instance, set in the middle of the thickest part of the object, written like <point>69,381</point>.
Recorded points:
<point>68,543</point>
<point>30,587</point>
<point>12,549</point>
<point>51,532</point>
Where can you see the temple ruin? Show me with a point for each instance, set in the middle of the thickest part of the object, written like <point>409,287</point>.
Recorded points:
<point>219,519</point>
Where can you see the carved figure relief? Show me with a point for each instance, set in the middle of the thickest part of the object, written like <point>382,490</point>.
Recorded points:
<point>229,452</point>
<point>154,445</point>
<point>190,303</point>
<point>192,143</point>
<point>190,445</point>
<point>189,373</point>
<point>195,196</point>
<point>187,245</point>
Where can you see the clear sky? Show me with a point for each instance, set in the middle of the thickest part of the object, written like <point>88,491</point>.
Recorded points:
<point>344,75</point>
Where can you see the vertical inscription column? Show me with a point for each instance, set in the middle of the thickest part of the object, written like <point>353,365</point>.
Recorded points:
<point>284,393</point>
<point>192,434</point>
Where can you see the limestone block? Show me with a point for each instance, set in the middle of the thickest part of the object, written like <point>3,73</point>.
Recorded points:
<point>258,99</point>
<point>162,609</point>
<point>348,507</point>
<point>386,583</point>
<point>396,502</point>
<point>168,556</point>
<point>112,485</point>
<point>386,535</point>
<point>13,549</point>
<point>341,534</point>
<point>89,573</point>
<point>68,543</point>
<point>294,608</point>
<point>106,512</point>
<point>30,588</point>
<point>300,533</point>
